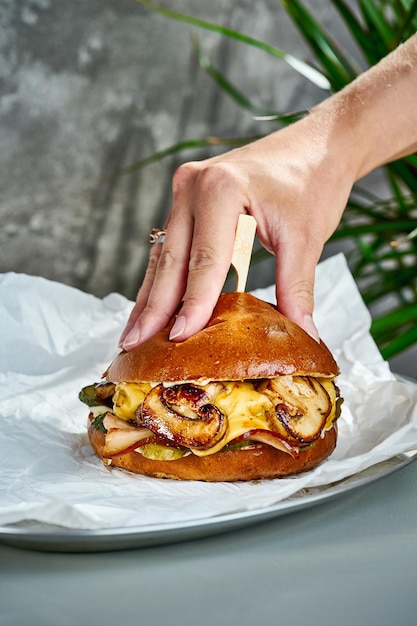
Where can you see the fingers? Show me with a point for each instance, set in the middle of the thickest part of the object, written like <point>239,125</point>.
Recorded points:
<point>163,286</point>
<point>192,264</point>
<point>295,275</point>
<point>219,201</point>
<point>142,296</point>
<point>209,264</point>
<point>165,279</point>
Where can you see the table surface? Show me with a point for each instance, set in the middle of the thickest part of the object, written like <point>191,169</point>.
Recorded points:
<point>350,561</point>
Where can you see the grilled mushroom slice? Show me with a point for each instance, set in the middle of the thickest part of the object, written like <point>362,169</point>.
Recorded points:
<point>184,414</point>
<point>302,406</point>
<point>105,391</point>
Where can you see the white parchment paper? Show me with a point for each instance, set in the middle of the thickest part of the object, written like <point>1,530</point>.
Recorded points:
<point>55,339</point>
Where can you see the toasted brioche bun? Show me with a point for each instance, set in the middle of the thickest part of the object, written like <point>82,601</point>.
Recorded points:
<point>245,338</point>
<point>230,465</point>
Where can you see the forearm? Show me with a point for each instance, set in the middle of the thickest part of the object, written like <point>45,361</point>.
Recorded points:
<point>374,118</point>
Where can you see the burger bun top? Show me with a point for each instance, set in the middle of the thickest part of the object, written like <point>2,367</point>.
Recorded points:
<point>245,338</point>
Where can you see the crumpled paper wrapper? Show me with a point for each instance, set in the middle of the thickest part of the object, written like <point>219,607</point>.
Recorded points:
<point>55,339</point>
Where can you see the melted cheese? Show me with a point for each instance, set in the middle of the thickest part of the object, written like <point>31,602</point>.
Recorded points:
<point>244,407</point>
<point>328,385</point>
<point>127,397</point>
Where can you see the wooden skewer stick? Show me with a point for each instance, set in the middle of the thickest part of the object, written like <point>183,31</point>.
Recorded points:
<point>242,251</point>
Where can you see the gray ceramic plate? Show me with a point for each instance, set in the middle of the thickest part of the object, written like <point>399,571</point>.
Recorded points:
<point>36,536</point>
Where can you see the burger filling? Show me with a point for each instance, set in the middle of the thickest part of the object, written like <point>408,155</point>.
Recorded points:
<point>167,421</point>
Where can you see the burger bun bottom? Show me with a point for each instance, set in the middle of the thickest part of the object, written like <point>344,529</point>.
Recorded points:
<point>256,463</point>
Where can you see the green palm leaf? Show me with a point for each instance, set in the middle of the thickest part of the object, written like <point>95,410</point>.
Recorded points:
<point>238,96</point>
<point>300,66</point>
<point>340,69</point>
<point>180,147</point>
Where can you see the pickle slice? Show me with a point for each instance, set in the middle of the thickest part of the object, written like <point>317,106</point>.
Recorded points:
<point>89,396</point>
<point>160,453</point>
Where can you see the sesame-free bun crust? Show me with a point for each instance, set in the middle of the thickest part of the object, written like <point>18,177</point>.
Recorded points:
<point>245,338</point>
<point>230,465</point>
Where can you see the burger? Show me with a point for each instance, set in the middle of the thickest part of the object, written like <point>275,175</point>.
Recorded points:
<point>251,396</point>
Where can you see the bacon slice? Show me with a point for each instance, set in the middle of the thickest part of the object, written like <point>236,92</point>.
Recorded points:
<point>275,440</point>
<point>122,436</point>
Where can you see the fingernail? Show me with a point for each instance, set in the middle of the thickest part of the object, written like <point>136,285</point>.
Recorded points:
<point>123,336</point>
<point>178,328</point>
<point>310,327</point>
<point>131,339</point>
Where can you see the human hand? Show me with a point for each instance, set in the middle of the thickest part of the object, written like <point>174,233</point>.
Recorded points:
<point>296,188</point>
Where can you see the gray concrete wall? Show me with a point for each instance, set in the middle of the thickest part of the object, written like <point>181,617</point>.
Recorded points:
<point>90,86</point>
